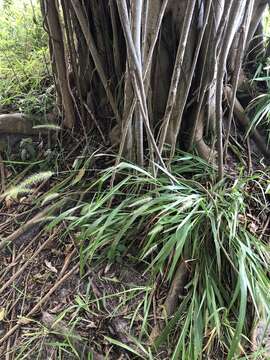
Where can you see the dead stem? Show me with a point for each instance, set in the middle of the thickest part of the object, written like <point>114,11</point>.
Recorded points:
<point>39,303</point>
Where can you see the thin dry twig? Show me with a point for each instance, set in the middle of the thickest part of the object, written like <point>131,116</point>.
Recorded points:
<point>14,262</point>
<point>39,303</point>
<point>25,265</point>
<point>37,219</point>
<point>62,330</point>
<point>266,226</point>
<point>13,309</point>
<point>2,174</point>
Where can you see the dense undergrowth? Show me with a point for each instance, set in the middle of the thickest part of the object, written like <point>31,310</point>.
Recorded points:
<point>25,75</point>
<point>171,219</point>
<point>154,224</point>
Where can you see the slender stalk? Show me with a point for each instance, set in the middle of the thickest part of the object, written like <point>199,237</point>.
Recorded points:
<point>237,69</point>
<point>72,52</point>
<point>137,7</point>
<point>146,79</point>
<point>191,74</point>
<point>235,12</point>
<point>176,72</point>
<point>136,69</point>
<point>116,55</point>
<point>56,35</point>
<point>94,52</point>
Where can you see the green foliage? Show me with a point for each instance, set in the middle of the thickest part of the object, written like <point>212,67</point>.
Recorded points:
<point>205,225</point>
<point>261,117</point>
<point>266,23</point>
<point>260,106</point>
<point>24,73</point>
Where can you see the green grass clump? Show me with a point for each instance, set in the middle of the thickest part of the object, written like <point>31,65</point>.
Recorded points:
<point>169,219</point>
<point>24,59</point>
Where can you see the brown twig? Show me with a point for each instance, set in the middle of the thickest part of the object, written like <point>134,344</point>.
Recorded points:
<point>249,157</point>
<point>14,276</point>
<point>2,174</point>
<point>67,261</point>
<point>20,254</point>
<point>12,310</point>
<point>265,228</point>
<point>39,303</point>
<point>62,329</point>
<point>37,219</point>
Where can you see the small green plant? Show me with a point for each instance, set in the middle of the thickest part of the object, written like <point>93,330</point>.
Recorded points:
<point>259,108</point>
<point>24,70</point>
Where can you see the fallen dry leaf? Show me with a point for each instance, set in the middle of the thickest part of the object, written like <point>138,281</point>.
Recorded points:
<point>253,228</point>
<point>9,202</point>
<point>2,314</point>
<point>50,266</point>
<point>91,325</point>
<point>241,218</point>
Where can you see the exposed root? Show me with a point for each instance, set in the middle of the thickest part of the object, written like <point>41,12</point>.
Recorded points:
<point>203,149</point>
<point>245,122</point>
<point>175,293</point>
